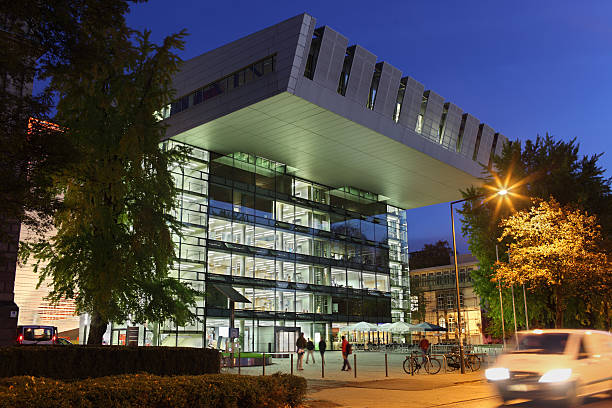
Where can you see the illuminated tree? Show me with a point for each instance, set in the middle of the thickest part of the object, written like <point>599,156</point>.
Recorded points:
<point>557,248</point>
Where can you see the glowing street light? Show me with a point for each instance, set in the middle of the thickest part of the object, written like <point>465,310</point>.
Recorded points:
<point>501,192</point>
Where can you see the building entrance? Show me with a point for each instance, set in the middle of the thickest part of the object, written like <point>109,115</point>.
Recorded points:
<point>286,338</point>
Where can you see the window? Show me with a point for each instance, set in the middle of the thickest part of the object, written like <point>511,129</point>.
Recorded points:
<point>223,85</point>
<point>374,86</point>
<point>443,123</point>
<point>477,145</point>
<point>346,70</point>
<point>313,53</point>
<point>421,117</point>
<point>400,99</point>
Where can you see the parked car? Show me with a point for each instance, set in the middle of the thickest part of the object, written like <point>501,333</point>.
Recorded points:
<point>36,334</point>
<point>564,365</point>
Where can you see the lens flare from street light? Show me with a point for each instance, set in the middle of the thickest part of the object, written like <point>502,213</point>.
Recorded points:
<point>502,192</point>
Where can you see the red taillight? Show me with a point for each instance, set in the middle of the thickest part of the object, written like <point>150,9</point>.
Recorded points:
<point>20,339</point>
<point>54,338</point>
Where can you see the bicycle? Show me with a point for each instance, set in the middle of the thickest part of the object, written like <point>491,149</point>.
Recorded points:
<point>412,364</point>
<point>471,361</point>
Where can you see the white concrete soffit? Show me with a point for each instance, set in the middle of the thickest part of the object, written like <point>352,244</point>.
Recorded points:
<point>333,150</point>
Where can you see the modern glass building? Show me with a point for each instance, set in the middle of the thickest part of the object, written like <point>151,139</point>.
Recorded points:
<point>305,152</point>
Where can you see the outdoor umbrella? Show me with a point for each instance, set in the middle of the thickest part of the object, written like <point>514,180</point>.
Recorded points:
<point>429,327</point>
<point>401,327</point>
<point>362,326</point>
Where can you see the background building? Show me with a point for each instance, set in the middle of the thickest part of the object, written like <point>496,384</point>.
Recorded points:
<point>434,297</point>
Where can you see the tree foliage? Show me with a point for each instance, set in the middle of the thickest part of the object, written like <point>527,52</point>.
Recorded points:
<point>114,246</point>
<point>435,254</point>
<point>556,248</point>
<point>540,168</point>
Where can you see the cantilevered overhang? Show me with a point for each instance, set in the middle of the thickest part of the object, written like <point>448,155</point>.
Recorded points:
<point>331,149</point>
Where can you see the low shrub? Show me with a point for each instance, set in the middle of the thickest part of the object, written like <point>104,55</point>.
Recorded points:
<point>145,390</point>
<point>77,362</point>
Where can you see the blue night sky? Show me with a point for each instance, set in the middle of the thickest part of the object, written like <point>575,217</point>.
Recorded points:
<point>523,67</point>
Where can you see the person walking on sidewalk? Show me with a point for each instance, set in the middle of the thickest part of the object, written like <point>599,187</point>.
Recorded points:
<point>322,348</point>
<point>346,350</point>
<point>300,344</point>
<point>309,351</point>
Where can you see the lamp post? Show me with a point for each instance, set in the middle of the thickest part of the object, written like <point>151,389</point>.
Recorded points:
<point>501,192</point>
<point>501,302</point>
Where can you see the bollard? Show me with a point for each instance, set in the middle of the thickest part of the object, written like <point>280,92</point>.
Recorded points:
<point>355,364</point>
<point>291,363</point>
<point>386,366</point>
<point>322,368</point>
<point>263,366</point>
<point>239,361</point>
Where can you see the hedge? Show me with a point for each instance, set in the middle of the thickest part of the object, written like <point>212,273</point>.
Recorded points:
<point>78,362</point>
<point>145,390</point>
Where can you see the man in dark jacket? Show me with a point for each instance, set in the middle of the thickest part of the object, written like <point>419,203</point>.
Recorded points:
<point>310,351</point>
<point>322,348</point>
<point>301,349</point>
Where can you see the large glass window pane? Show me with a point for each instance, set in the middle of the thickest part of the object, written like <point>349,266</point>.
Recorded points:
<point>284,183</point>
<point>243,233</point>
<point>369,280</point>
<point>264,207</point>
<point>220,229</point>
<point>353,252</point>
<point>239,265</point>
<point>353,227</point>
<point>322,276</point>
<point>304,302</point>
<point>320,220</point>
<point>285,212</point>
<point>285,271</point>
<point>321,247</point>
<point>302,189</point>
<point>303,216</point>
<point>220,196</point>
<point>367,229</point>
<point>244,202</point>
<point>219,262</point>
<point>303,244</point>
<point>303,273</point>
<point>338,277</point>
<point>285,241</point>
<point>368,255</point>
<point>264,269</point>
<point>263,300</point>
<point>382,282</point>
<point>285,300</point>
<point>338,223</point>
<point>354,279</point>
<point>264,237</point>
<point>338,249</point>
<point>382,257</point>
<point>250,267</point>
<point>381,233</point>
<point>247,293</point>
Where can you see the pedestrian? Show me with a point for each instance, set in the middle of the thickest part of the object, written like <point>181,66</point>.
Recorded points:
<point>309,351</point>
<point>346,350</point>
<point>300,344</point>
<point>322,348</point>
<point>424,346</point>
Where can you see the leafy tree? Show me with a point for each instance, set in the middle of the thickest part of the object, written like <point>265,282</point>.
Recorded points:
<point>114,247</point>
<point>540,168</point>
<point>558,248</point>
<point>431,255</point>
<point>35,36</point>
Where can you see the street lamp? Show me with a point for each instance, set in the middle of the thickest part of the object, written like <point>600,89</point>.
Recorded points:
<point>501,192</point>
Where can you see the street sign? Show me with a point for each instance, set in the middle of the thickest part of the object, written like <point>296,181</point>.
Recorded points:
<point>234,332</point>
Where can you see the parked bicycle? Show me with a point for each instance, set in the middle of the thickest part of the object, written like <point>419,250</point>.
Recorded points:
<point>471,361</point>
<point>415,361</point>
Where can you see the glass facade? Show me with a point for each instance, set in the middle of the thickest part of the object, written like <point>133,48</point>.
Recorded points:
<point>308,257</point>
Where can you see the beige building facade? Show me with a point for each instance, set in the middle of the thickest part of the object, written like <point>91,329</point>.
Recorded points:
<point>434,295</point>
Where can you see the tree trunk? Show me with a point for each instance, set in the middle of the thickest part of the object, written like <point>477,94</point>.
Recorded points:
<point>97,328</point>
<point>559,309</point>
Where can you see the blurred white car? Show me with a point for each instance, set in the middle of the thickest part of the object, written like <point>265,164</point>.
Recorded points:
<point>555,364</point>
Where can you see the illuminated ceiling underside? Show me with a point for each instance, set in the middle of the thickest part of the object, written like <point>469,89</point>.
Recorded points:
<point>333,150</point>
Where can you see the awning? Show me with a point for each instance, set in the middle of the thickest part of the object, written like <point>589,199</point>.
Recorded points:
<point>231,293</point>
